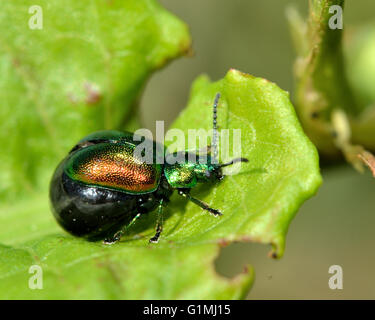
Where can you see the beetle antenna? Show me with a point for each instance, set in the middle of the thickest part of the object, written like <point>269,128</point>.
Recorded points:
<point>234,161</point>
<point>214,126</point>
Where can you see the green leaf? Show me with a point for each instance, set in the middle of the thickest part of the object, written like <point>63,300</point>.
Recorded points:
<point>283,170</point>
<point>257,204</point>
<point>77,269</point>
<point>82,72</point>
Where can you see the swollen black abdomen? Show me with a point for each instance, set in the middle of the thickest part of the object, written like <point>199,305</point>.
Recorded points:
<point>93,212</point>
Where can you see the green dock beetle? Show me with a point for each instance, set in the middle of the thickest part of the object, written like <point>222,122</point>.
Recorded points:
<point>102,187</point>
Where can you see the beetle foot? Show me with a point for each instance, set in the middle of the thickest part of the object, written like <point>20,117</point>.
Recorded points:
<point>155,238</point>
<point>109,241</point>
<point>214,212</point>
<point>115,238</point>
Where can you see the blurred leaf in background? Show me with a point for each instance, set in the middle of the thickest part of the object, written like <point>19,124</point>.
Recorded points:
<point>337,118</point>
<point>360,62</point>
<point>82,72</point>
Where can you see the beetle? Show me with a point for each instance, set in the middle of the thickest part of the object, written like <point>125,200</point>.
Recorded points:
<point>101,187</point>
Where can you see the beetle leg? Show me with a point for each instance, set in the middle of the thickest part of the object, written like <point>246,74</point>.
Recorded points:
<point>117,236</point>
<point>159,224</point>
<point>203,205</point>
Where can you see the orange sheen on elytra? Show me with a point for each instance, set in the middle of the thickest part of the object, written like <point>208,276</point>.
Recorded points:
<point>113,166</point>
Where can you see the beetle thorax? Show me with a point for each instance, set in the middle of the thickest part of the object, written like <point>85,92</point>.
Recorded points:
<point>191,169</point>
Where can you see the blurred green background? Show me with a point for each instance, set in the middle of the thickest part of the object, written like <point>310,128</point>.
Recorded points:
<point>336,226</point>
